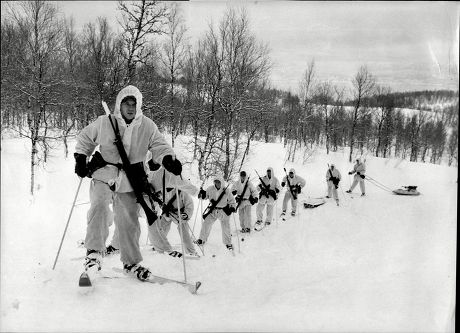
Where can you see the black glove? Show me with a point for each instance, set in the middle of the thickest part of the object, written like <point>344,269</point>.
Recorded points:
<point>202,194</point>
<point>234,192</point>
<point>282,184</point>
<point>153,166</point>
<point>172,165</point>
<point>362,176</point>
<point>213,201</point>
<point>276,190</point>
<point>238,199</point>
<point>253,200</point>
<point>350,173</point>
<point>228,210</point>
<point>81,168</point>
<point>299,189</point>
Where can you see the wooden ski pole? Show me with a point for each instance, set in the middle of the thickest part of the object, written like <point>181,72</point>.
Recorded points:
<point>180,232</point>
<point>67,224</point>
<point>236,230</point>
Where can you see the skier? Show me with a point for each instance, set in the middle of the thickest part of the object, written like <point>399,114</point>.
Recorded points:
<point>246,196</point>
<point>164,183</point>
<point>222,205</point>
<point>269,188</point>
<point>294,187</point>
<point>333,178</point>
<point>139,134</point>
<point>359,168</point>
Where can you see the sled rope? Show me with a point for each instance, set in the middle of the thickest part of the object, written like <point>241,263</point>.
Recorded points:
<point>378,184</point>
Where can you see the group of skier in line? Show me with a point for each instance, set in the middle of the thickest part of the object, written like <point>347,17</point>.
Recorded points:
<point>124,184</point>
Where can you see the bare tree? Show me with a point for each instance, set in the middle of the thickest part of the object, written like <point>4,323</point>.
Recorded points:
<point>140,20</point>
<point>173,58</point>
<point>324,98</point>
<point>245,64</point>
<point>363,87</point>
<point>35,78</point>
<point>384,108</point>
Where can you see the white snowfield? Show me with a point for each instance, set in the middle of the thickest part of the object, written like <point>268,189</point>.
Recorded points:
<point>380,263</point>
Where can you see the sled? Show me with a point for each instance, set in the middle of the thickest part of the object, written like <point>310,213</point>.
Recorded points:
<point>313,202</point>
<point>407,190</point>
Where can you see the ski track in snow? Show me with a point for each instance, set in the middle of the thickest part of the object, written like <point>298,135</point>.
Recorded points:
<point>378,263</point>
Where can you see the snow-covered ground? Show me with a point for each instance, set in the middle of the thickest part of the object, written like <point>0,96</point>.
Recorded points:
<point>377,263</point>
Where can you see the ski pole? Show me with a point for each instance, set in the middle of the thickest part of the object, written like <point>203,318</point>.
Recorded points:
<point>68,220</point>
<point>276,214</point>
<point>180,232</point>
<point>196,216</point>
<point>236,230</point>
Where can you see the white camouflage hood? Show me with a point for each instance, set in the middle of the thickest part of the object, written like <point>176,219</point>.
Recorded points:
<point>222,181</point>
<point>271,171</point>
<point>128,91</point>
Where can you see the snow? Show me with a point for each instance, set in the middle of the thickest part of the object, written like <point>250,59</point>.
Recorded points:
<point>377,263</point>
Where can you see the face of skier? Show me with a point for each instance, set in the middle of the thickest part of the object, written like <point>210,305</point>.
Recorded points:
<point>128,109</point>
<point>217,184</point>
<point>269,174</point>
<point>332,166</point>
<point>242,176</point>
<point>291,174</point>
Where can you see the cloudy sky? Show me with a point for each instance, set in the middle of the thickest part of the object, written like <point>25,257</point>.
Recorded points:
<point>406,45</point>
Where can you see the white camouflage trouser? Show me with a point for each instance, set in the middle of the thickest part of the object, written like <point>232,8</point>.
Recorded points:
<point>332,191</point>
<point>217,214</point>
<point>270,202</point>
<point>287,197</point>
<point>125,215</point>
<point>158,233</point>
<point>357,179</point>
<point>244,213</point>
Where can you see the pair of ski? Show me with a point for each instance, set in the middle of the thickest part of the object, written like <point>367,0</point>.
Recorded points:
<point>85,280</point>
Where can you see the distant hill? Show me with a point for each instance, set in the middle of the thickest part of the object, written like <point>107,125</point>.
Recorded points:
<point>428,100</point>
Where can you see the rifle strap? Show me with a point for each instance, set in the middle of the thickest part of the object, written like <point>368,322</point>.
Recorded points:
<point>115,129</point>
<point>212,207</point>
<point>164,185</point>
<point>242,194</point>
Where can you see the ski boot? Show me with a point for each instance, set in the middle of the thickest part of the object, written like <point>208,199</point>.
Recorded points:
<point>175,254</point>
<point>92,261</point>
<point>139,271</point>
<point>111,250</point>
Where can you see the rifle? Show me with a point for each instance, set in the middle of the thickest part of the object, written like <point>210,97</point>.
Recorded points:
<point>168,209</point>
<point>332,178</point>
<point>135,173</point>
<point>213,205</point>
<point>266,190</point>
<point>242,194</point>
<point>289,184</point>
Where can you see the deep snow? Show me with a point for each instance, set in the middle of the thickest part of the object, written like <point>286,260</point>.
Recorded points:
<point>378,263</point>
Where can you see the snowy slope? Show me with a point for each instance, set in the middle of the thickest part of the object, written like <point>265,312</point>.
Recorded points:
<point>379,263</point>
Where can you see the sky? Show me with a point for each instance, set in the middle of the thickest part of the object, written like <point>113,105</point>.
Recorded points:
<point>406,45</point>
